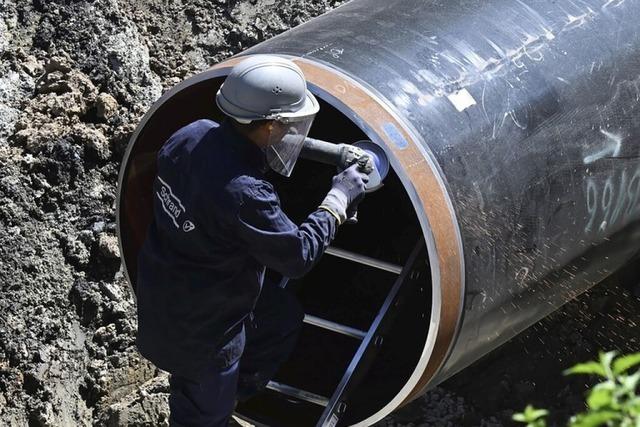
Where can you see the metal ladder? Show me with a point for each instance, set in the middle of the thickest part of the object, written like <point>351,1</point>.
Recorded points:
<point>371,340</point>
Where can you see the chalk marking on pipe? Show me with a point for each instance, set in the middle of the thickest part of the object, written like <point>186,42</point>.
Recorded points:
<point>612,149</point>
<point>336,52</point>
<point>532,48</point>
<point>544,25</point>
<point>461,99</point>
<point>470,55</point>
<point>317,49</point>
<point>612,3</point>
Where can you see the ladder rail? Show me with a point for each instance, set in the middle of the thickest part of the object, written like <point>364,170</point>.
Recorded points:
<point>359,364</point>
<point>371,339</point>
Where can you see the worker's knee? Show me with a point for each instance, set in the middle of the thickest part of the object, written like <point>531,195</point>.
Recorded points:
<point>208,402</point>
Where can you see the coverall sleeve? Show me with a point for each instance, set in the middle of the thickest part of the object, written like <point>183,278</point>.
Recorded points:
<point>274,240</point>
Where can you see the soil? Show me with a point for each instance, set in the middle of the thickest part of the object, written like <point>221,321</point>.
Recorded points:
<point>76,76</point>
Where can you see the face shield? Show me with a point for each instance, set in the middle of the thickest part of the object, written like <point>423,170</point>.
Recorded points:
<point>285,142</point>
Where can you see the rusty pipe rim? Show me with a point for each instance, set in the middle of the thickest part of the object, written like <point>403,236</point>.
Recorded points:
<point>419,174</point>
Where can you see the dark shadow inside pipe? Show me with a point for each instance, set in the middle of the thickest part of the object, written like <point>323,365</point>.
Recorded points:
<point>337,290</point>
<point>185,106</point>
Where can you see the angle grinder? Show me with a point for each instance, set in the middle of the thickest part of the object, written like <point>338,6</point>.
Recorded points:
<point>370,157</point>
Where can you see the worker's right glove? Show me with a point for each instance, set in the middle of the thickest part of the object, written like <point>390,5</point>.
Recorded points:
<point>347,190</point>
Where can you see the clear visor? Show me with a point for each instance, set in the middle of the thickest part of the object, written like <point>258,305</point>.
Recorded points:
<point>285,143</point>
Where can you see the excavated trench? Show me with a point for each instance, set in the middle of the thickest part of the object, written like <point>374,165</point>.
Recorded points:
<point>60,161</point>
<point>338,290</point>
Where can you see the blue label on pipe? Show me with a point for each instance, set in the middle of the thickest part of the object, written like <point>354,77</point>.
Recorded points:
<point>394,134</point>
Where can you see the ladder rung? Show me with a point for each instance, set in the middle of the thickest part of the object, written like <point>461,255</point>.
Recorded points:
<point>363,259</point>
<point>335,327</point>
<point>298,394</point>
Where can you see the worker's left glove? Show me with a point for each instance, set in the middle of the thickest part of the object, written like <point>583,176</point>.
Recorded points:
<point>347,189</point>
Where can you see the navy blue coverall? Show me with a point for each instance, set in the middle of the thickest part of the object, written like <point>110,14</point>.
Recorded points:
<point>217,224</point>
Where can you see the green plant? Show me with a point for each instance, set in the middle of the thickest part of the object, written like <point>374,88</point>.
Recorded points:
<point>614,402</point>
<point>532,417</point>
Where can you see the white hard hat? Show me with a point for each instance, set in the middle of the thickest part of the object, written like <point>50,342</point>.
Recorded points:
<point>266,87</point>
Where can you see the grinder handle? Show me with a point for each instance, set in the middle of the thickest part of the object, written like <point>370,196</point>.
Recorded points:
<point>322,151</point>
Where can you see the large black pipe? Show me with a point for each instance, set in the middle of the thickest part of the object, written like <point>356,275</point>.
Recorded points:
<point>515,128</point>
<point>531,111</point>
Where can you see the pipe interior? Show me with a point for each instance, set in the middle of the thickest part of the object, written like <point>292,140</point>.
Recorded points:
<point>337,290</point>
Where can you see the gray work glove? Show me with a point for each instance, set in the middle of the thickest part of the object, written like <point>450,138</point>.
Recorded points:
<point>347,189</point>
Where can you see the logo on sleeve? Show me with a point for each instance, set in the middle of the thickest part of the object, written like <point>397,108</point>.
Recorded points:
<point>171,205</point>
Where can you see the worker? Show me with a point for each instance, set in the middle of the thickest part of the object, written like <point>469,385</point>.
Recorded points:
<point>204,314</point>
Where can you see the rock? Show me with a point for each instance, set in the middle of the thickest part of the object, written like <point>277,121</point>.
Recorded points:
<point>148,405</point>
<point>32,66</point>
<point>120,138</point>
<point>94,141</point>
<point>86,237</point>
<point>44,415</point>
<point>5,36</point>
<point>35,139</point>
<point>98,227</point>
<point>53,82</point>
<point>9,111</point>
<point>76,252</point>
<point>149,410</point>
<point>41,356</point>
<point>80,82</point>
<point>67,104</point>
<point>106,106</point>
<point>108,246</point>
<point>60,62</point>
<point>61,82</point>
<point>86,299</point>
<point>128,58</point>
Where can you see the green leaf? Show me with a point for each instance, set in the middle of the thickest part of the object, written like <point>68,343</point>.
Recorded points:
<point>589,368</point>
<point>624,363</point>
<point>600,398</point>
<point>519,417</point>
<point>532,414</point>
<point>630,383</point>
<point>606,359</point>
<point>633,407</point>
<point>594,419</point>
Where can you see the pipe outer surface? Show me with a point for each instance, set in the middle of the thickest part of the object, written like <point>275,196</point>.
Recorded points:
<point>531,112</point>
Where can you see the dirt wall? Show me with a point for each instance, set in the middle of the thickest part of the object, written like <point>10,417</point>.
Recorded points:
<point>75,78</point>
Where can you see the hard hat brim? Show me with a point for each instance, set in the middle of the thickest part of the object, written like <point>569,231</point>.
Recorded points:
<point>309,108</point>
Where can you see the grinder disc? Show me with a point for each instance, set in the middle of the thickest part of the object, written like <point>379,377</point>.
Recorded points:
<point>381,162</point>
